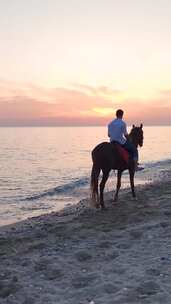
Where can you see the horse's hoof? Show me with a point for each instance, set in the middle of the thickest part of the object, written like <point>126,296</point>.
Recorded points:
<point>135,198</point>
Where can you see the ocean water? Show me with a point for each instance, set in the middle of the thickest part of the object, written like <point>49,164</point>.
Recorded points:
<point>45,169</point>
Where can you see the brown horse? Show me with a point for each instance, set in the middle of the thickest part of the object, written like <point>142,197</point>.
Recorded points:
<point>106,157</point>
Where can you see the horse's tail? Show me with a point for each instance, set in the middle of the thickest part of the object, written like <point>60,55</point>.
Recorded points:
<point>94,184</point>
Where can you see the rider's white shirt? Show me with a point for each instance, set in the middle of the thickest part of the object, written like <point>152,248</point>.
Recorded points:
<point>117,130</point>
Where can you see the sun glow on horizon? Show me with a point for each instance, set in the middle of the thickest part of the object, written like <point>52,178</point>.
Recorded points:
<point>104,111</point>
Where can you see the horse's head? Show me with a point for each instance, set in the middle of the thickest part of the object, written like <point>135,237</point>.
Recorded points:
<point>136,135</point>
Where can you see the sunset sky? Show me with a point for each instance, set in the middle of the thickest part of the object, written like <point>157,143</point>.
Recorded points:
<point>74,62</point>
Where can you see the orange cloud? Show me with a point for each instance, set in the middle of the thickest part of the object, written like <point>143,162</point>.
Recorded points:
<point>33,105</point>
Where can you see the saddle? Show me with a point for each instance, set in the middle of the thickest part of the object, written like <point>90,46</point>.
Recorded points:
<point>122,152</point>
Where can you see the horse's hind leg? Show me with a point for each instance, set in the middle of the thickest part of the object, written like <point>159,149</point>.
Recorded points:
<point>119,174</point>
<point>94,185</point>
<point>102,185</point>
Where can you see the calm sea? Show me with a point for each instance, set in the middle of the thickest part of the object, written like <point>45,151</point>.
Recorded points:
<point>45,169</point>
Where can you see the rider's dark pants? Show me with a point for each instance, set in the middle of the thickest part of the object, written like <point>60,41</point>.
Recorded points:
<point>133,151</point>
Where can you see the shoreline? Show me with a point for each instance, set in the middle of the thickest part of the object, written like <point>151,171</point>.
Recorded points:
<point>84,255</point>
<point>21,212</point>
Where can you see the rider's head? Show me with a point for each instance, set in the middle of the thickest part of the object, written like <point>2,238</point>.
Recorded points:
<point>119,113</point>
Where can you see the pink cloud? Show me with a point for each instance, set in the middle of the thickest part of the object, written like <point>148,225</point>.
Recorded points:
<point>35,105</point>
<point>153,112</point>
<point>101,90</point>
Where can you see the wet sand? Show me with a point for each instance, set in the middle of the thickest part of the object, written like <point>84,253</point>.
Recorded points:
<point>83,255</point>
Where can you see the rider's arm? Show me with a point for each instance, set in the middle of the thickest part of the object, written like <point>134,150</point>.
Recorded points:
<point>108,131</point>
<point>125,130</point>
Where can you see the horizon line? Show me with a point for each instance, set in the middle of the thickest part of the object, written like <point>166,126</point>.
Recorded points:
<point>68,125</point>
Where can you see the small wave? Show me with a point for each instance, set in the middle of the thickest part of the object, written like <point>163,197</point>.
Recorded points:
<point>161,163</point>
<point>62,190</point>
<point>70,189</point>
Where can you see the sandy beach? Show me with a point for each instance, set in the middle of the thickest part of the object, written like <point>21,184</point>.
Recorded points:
<point>82,255</point>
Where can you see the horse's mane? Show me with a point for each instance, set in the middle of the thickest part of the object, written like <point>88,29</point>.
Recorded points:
<point>135,129</point>
<point>136,132</point>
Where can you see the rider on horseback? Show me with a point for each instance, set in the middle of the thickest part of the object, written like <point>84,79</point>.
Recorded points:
<point>117,131</point>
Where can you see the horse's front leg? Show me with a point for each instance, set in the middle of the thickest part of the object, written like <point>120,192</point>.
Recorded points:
<point>119,175</point>
<point>131,176</point>
<point>102,185</point>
